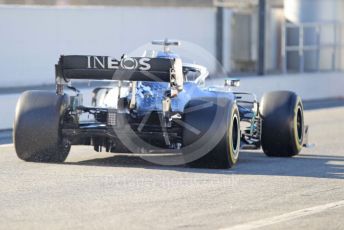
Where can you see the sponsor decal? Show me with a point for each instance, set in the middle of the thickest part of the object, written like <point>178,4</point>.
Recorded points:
<point>129,63</point>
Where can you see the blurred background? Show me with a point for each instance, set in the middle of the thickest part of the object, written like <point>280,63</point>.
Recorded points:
<point>268,44</point>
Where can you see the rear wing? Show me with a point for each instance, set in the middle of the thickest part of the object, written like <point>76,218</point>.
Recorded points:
<point>128,69</point>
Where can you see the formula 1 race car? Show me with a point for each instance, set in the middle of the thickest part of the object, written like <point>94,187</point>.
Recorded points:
<point>159,105</point>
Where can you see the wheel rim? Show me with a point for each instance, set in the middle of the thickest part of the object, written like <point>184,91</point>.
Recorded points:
<point>299,124</point>
<point>235,142</point>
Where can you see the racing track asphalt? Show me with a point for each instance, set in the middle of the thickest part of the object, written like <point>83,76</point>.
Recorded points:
<point>99,190</point>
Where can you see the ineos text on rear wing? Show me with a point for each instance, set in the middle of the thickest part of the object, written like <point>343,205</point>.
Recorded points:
<point>128,68</point>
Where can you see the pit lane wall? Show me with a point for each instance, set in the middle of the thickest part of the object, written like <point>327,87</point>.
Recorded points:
<point>33,37</point>
<point>308,86</point>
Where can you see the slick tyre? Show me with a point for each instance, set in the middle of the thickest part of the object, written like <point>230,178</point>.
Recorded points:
<point>282,124</point>
<point>225,152</point>
<point>37,127</point>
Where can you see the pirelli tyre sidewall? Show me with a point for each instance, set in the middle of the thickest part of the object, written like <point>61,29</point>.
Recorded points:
<point>224,134</point>
<point>37,127</point>
<point>282,124</point>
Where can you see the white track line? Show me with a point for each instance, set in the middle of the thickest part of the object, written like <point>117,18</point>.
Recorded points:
<point>6,145</point>
<point>286,216</point>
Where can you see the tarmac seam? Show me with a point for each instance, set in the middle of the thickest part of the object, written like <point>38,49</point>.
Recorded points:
<point>286,216</point>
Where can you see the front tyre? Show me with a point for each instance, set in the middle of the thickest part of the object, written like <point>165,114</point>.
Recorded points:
<point>37,127</point>
<point>282,124</point>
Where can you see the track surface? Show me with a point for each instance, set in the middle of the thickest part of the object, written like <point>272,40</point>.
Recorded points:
<point>98,190</point>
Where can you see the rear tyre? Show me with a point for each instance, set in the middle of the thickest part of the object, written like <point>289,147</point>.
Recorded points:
<point>37,127</point>
<point>225,153</point>
<point>282,124</point>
